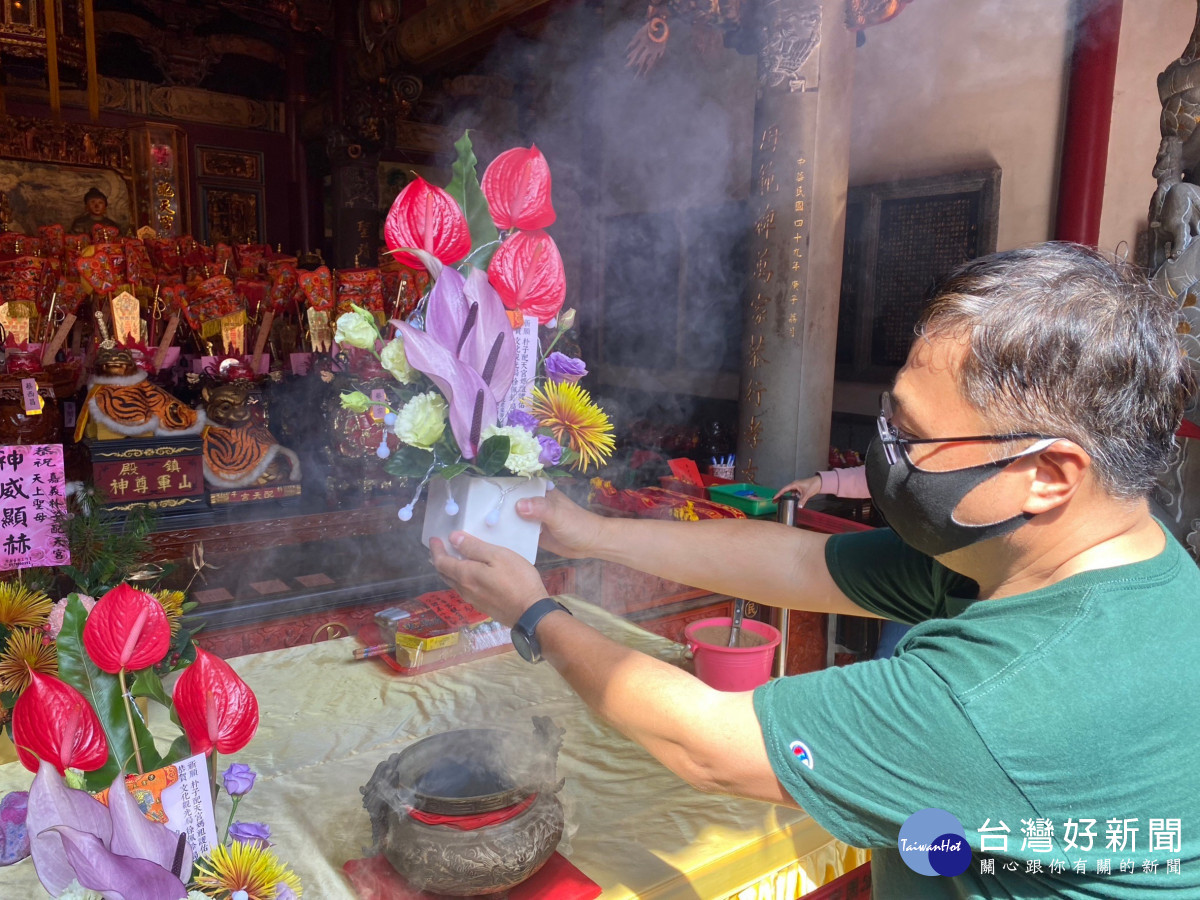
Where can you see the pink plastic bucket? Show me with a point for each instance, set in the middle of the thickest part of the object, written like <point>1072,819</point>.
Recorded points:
<point>732,668</point>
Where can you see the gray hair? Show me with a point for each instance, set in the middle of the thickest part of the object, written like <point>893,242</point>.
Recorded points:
<point>1066,342</point>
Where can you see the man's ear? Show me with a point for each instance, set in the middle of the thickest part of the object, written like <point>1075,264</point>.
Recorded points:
<point>1059,472</point>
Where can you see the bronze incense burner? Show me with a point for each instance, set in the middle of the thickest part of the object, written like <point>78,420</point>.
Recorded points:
<point>465,774</point>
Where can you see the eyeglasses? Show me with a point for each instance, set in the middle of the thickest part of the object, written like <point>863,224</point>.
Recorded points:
<point>893,444</point>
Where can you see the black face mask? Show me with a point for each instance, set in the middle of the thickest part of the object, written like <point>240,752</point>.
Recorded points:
<point>919,505</point>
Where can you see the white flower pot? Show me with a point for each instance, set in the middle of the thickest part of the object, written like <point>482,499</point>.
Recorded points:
<point>487,509</point>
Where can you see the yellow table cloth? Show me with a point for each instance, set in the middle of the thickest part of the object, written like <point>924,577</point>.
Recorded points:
<point>632,826</point>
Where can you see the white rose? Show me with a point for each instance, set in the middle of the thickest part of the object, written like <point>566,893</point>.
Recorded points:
<point>524,451</point>
<point>357,328</point>
<point>395,360</point>
<point>421,421</point>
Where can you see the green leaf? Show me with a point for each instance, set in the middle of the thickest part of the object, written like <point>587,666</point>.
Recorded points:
<point>493,454</point>
<point>464,188</point>
<point>450,471</point>
<point>409,462</point>
<point>148,684</point>
<point>481,256</point>
<point>103,692</point>
<point>179,749</point>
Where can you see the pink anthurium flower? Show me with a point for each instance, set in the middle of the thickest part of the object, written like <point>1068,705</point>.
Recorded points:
<point>425,217</point>
<point>112,849</point>
<point>517,188</point>
<point>53,723</point>
<point>467,350</point>
<point>127,630</point>
<point>527,272</point>
<point>216,708</point>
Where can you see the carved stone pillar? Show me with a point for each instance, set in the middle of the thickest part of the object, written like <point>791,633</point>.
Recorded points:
<point>801,165</point>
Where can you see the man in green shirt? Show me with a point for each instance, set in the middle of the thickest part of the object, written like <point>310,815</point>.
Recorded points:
<point>1047,696</point>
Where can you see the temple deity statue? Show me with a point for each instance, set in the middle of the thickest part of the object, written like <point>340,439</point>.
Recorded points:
<point>123,403</point>
<point>239,450</point>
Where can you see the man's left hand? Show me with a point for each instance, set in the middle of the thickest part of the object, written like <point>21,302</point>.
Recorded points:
<point>492,579</point>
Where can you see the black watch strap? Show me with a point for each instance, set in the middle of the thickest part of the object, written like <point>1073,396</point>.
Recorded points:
<point>524,632</point>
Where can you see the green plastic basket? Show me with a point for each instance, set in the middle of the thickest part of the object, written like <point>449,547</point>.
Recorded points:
<point>752,499</point>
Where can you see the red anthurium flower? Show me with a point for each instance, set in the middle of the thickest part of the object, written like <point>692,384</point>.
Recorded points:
<point>52,721</point>
<point>517,187</point>
<point>527,273</point>
<point>216,708</point>
<point>427,218</point>
<point>127,630</point>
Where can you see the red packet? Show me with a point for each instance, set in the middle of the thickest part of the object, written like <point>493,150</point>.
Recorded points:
<point>375,879</point>
<point>685,470</point>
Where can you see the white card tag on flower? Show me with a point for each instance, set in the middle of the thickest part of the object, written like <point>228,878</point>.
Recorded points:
<point>179,796</point>
<point>526,338</point>
<point>29,393</point>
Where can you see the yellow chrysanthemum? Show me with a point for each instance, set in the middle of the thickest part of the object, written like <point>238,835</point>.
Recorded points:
<point>26,651</point>
<point>21,607</point>
<point>243,867</point>
<point>172,604</point>
<point>575,421</point>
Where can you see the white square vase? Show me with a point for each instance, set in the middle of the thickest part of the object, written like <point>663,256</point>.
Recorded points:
<point>487,509</point>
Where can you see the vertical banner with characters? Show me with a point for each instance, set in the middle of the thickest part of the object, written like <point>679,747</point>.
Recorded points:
<point>32,507</point>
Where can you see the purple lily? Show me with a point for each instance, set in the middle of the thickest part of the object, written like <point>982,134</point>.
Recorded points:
<point>112,849</point>
<point>467,350</point>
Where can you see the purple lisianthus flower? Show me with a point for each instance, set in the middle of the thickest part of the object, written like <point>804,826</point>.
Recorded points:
<point>256,834</point>
<point>560,367</point>
<point>283,892</point>
<point>238,779</point>
<point>552,451</point>
<point>521,419</point>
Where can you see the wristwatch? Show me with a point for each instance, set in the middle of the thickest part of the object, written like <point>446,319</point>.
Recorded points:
<point>524,632</point>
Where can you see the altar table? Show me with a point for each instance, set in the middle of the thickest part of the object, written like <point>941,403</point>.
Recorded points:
<point>632,826</point>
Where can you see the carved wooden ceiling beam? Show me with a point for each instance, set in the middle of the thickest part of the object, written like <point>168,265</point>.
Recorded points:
<point>444,25</point>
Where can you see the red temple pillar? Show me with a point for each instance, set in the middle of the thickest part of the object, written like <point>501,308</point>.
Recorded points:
<point>1088,120</point>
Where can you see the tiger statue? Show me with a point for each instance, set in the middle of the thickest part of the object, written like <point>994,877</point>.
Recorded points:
<point>239,451</point>
<point>123,403</point>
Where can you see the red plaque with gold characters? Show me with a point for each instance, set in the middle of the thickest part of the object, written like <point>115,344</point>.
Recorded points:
<point>161,474</point>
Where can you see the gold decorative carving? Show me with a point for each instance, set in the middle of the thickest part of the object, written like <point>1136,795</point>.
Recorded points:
<point>159,504</point>
<point>143,452</point>
<point>444,24</point>
<point>196,105</point>
<point>754,431</point>
<point>72,143</point>
<point>758,346</point>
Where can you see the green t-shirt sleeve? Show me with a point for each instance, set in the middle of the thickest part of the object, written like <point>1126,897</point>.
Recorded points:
<point>885,738</point>
<point>884,575</point>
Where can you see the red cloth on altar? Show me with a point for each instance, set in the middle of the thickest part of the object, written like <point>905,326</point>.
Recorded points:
<point>470,823</point>
<point>374,878</point>
<point>657,503</point>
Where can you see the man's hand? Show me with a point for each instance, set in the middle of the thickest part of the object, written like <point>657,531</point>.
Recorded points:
<point>490,578</point>
<point>568,530</point>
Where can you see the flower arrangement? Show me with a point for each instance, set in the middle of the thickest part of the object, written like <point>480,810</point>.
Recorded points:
<point>70,673</point>
<point>477,353</point>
